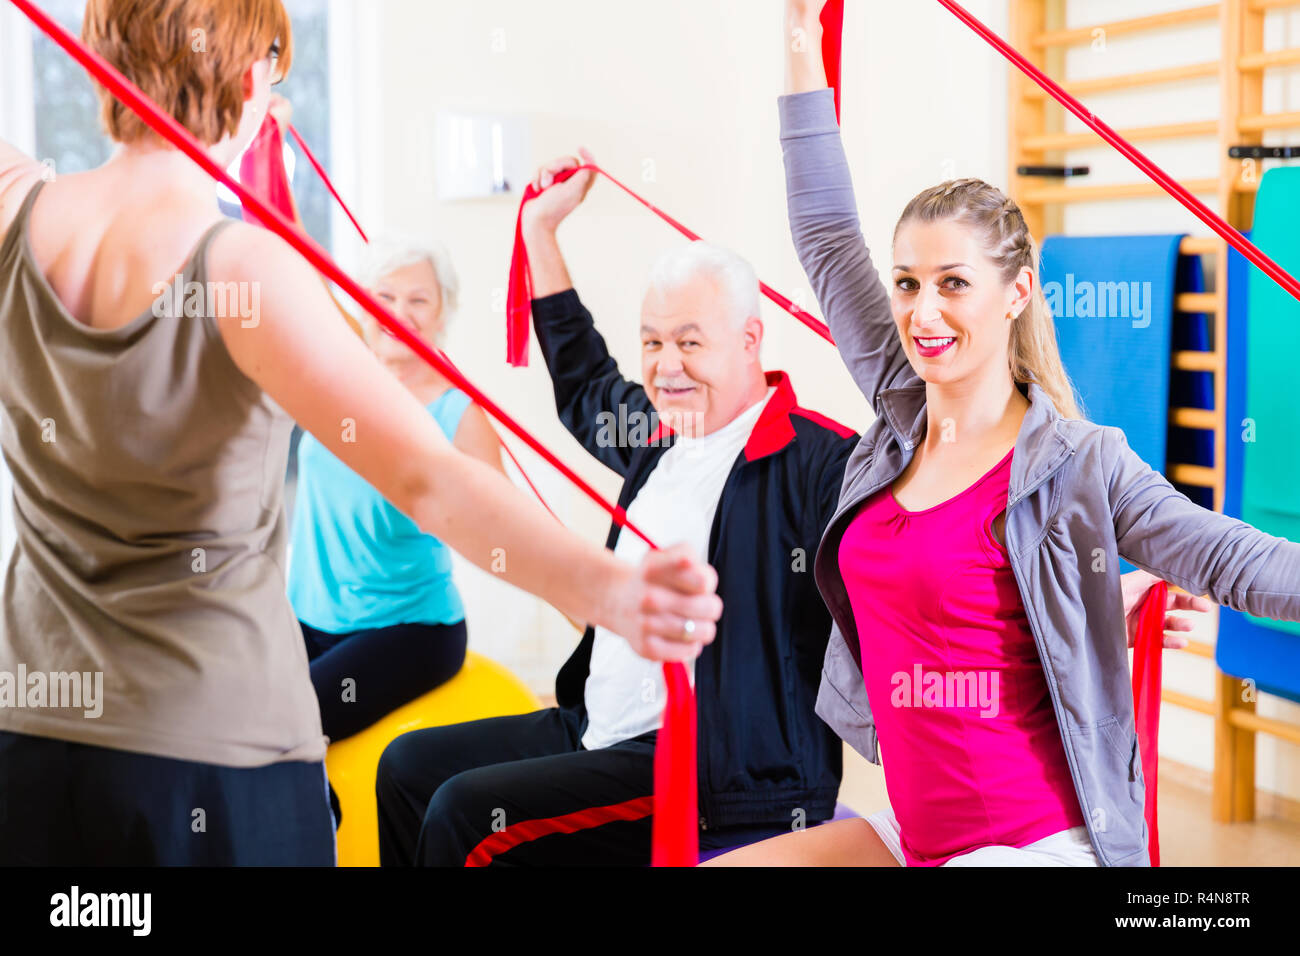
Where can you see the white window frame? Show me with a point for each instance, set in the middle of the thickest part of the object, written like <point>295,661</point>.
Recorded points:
<point>17,102</point>
<point>356,125</point>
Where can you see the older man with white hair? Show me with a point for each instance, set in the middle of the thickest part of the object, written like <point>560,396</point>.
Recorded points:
<point>714,452</point>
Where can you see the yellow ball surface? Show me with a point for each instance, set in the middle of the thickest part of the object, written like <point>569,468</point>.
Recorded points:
<point>483,688</point>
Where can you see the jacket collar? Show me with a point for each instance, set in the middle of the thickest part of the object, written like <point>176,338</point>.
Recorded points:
<point>773,430</point>
<point>1041,446</point>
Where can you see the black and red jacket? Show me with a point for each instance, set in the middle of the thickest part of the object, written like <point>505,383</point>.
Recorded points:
<point>764,755</point>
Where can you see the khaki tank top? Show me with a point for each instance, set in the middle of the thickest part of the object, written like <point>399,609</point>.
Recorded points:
<point>148,476</point>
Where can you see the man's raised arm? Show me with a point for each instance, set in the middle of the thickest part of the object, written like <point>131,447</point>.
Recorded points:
<point>592,397</point>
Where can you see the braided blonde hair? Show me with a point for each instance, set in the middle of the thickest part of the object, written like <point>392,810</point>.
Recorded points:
<point>998,222</point>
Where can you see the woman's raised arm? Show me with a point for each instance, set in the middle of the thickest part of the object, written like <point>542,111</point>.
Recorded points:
<point>824,215</point>
<point>300,352</point>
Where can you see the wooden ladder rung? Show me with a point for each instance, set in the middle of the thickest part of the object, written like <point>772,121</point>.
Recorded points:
<point>1198,476</point>
<point>1126,81</point>
<point>1066,194</point>
<point>1200,246</point>
<point>1249,720</point>
<point>1258,5</point>
<point>1197,361</point>
<point>1202,418</point>
<point>1196,302</point>
<point>1253,62</point>
<point>1086,138</point>
<point>1258,122</point>
<point>1179,699</point>
<point>1199,649</point>
<point>1155,21</point>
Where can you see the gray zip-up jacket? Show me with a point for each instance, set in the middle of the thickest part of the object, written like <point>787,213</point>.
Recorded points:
<point>1079,499</point>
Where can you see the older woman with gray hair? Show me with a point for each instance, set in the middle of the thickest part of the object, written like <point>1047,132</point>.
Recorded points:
<point>380,613</point>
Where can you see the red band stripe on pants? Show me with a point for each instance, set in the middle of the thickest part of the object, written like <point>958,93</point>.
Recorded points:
<point>512,836</point>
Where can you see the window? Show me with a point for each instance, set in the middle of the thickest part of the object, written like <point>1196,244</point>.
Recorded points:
<point>68,133</point>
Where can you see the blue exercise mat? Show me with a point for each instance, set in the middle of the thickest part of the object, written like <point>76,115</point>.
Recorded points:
<point>1270,499</point>
<point>1267,655</point>
<point>1113,300</point>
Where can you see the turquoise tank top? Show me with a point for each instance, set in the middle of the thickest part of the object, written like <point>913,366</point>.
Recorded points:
<point>356,562</point>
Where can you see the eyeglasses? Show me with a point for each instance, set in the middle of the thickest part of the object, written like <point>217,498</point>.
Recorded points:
<point>274,57</point>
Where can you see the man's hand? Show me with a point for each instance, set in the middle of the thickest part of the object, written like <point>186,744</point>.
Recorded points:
<point>553,206</point>
<point>1135,586</point>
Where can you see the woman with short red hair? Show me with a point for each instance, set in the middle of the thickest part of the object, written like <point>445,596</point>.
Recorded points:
<point>155,700</point>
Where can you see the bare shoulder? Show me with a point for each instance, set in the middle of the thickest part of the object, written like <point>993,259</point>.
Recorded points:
<point>245,252</point>
<point>476,436</point>
<point>19,173</point>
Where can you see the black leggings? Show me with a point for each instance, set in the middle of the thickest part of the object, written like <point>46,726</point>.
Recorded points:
<point>364,675</point>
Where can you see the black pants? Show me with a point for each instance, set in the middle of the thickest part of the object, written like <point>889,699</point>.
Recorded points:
<point>67,804</point>
<point>522,791</point>
<point>362,676</point>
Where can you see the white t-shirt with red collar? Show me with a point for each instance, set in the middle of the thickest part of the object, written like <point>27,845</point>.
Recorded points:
<point>625,692</point>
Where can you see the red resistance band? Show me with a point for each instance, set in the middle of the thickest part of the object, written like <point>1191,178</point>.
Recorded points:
<point>320,171</point>
<point>1148,649</point>
<point>519,298</point>
<point>677,844</point>
<point>832,20</point>
<point>262,170</point>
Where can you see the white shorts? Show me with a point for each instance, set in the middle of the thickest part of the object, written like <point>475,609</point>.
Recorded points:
<point>1067,848</point>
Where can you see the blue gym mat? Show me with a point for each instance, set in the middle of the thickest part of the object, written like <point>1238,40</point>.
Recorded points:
<point>1113,299</point>
<point>1245,648</point>
<point>1270,499</point>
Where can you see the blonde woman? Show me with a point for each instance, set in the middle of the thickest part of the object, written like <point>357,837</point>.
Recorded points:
<point>973,566</point>
<point>381,616</point>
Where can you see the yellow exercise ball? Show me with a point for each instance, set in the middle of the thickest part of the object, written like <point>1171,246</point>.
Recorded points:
<point>483,688</point>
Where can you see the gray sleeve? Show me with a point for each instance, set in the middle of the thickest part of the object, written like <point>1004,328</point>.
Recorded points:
<point>1160,530</point>
<point>828,239</point>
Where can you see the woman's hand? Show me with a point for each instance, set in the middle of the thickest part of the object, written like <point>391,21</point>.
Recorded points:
<point>805,70</point>
<point>667,608</point>
<point>282,110</point>
<point>556,202</point>
<point>1136,585</point>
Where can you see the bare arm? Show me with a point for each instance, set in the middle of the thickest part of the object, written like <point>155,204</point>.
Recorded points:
<point>824,216</point>
<point>307,360</point>
<point>477,438</point>
<point>804,69</point>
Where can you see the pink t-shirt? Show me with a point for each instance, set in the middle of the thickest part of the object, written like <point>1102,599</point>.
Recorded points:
<point>972,751</point>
